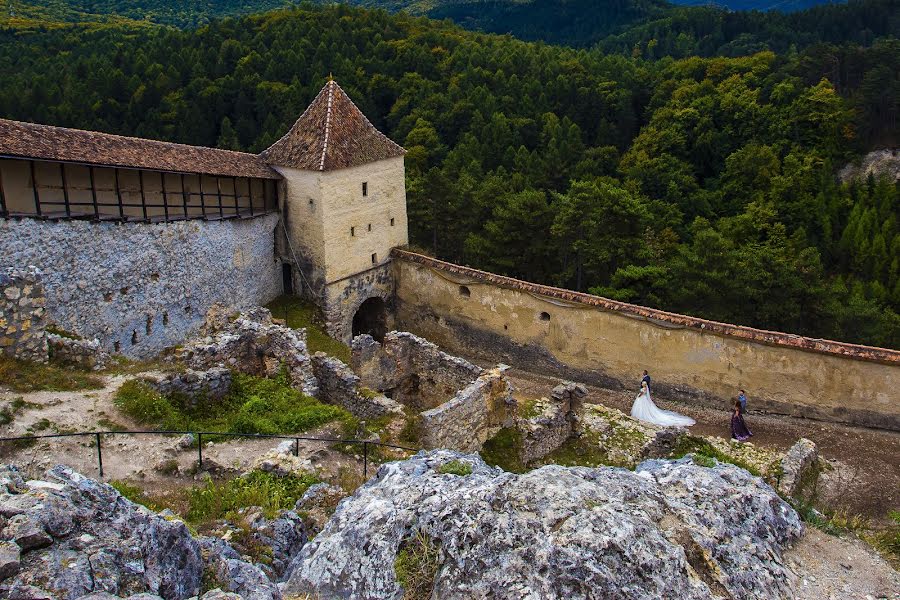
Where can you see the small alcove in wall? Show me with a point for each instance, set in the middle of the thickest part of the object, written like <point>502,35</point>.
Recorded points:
<point>544,316</point>
<point>464,291</point>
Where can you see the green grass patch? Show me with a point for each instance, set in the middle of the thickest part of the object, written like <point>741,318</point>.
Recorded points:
<point>583,451</point>
<point>27,376</point>
<point>504,450</point>
<point>270,492</point>
<point>298,313</point>
<point>254,405</point>
<point>136,494</point>
<point>455,467</point>
<point>887,540</point>
<point>416,566</point>
<point>530,408</point>
<point>703,452</point>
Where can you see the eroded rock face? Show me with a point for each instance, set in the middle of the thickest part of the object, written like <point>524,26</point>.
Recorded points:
<point>78,536</point>
<point>670,530</point>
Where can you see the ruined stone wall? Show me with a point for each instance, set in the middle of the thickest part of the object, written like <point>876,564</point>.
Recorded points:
<point>22,322</point>
<point>140,288</point>
<point>340,386</point>
<point>473,416</point>
<point>591,339</point>
<point>414,371</point>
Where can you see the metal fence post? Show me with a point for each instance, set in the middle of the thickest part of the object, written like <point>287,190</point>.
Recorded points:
<point>296,446</point>
<point>199,452</point>
<point>365,460</point>
<point>99,454</point>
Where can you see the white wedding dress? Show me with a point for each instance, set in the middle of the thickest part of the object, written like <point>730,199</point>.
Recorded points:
<point>644,409</point>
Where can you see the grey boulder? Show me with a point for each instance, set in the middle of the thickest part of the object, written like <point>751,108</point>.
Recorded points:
<point>670,529</point>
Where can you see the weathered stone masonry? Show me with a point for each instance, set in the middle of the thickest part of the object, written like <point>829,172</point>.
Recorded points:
<point>595,340</point>
<point>140,288</point>
<point>22,312</point>
<point>460,405</point>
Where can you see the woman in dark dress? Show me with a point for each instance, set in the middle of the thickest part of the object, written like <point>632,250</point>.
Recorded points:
<point>739,429</point>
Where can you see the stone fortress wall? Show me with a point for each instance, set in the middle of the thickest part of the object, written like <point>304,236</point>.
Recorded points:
<point>141,288</point>
<point>595,340</point>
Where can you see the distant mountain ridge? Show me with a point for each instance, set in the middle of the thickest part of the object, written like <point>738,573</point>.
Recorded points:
<point>761,5</point>
<point>649,28</point>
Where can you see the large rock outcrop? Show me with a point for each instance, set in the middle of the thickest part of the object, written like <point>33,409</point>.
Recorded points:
<point>669,530</point>
<point>77,536</point>
<point>72,537</point>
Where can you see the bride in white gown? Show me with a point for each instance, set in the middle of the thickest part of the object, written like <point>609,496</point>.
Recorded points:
<point>644,409</point>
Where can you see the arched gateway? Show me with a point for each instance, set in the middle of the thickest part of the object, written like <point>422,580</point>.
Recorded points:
<point>371,318</point>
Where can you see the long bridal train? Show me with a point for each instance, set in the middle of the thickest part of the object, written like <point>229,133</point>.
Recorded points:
<point>645,410</point>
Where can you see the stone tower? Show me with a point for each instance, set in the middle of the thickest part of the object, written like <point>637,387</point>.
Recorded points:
<point>343,201</point>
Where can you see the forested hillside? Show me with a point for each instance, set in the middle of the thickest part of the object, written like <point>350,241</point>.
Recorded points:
<point>703,185</point>
<point>648,28</point>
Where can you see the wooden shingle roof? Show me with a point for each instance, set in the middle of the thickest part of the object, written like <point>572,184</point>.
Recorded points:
<point>332,133</point>
<point>46,142</point>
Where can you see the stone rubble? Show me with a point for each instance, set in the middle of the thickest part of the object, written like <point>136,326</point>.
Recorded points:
<point>253,344</point>
<point>87,354</point>
<point>213,383</point>
<point>670,530</point>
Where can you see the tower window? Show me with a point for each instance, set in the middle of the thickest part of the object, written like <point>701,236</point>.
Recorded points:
<point>352,231</point>
<point>370,227</point>
<point>365,188</point>
<point>392,222</point>
<point>374,258</point>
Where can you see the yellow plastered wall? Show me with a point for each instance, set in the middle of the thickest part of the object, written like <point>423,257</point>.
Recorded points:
<point>687,361</point>
<point>354,227</point>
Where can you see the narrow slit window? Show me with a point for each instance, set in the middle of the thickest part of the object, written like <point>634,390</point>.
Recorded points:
<point>365,188</point>
<point>352,231</point>
<point>374,258</point>
<point>370,227</point>
<point>392,222</point>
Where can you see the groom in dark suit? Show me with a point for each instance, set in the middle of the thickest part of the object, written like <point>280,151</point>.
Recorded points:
<point>646,378</point>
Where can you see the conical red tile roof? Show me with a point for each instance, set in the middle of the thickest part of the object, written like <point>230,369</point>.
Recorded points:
<point>332,133</point>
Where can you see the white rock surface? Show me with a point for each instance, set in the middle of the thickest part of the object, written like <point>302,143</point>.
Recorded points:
<point>670,530</point>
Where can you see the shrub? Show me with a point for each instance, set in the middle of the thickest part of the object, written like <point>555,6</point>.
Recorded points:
<point>147,406</point>
<point>416,566</point>
<point>254,405</point>
<point>455,467</point>
<point>136,494</point>
<point>270,492</point>
<point>703,452</point>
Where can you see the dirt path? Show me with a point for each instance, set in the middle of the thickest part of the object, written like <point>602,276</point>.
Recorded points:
<point>828,568</point>
<point>865,482</point>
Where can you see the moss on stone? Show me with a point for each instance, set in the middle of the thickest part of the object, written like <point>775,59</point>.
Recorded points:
<point>455,467</point>
<point>504,450</point>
